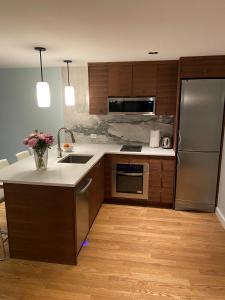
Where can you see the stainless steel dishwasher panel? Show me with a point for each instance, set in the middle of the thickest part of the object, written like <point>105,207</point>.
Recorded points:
<point>82,211</point>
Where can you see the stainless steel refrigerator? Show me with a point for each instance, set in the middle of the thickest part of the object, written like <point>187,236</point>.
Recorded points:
<point>200,130</point>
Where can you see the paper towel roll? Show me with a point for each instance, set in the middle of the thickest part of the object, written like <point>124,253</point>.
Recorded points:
<point>154,138</point>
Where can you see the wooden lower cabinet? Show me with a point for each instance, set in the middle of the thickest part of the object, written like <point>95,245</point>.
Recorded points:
<point>161,180</point>
<point>108,176</point>
<point>41,222</point>
<point>154,194</point>
<point>96,195</point>
<point>167,195</point>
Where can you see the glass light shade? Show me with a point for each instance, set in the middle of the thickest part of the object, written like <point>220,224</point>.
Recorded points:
<point>43,94</point>
<point>69,95</point>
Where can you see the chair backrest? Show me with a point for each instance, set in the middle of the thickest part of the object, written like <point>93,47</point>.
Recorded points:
<point>3,163</point>
<point>22,155</point>
<point>2,199</point>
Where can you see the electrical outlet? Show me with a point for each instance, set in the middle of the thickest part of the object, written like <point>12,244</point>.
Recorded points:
<point>93,136</point>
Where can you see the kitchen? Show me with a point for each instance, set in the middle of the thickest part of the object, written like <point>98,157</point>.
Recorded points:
<point>140,248</point>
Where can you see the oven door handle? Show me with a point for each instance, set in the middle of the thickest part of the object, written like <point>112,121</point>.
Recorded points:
<point>129,174</point>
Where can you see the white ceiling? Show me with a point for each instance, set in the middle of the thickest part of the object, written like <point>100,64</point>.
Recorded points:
<point>108,30</point>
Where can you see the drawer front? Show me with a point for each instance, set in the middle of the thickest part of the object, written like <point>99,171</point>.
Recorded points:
<point>154,194</point>
<point>167,195</point>
<point>154,179</point>
<point>168,165</point>
<point>120,159</point>
<point>168,180</point>
<point>155,164</point>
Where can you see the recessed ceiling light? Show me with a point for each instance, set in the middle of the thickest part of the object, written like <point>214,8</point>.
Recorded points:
<point>153,52</point>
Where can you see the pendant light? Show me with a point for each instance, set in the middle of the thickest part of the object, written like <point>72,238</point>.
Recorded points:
<point>69,90</point>
<point>42,87</point>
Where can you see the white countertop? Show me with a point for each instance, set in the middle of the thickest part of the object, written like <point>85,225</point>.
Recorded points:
<point>66,174</point>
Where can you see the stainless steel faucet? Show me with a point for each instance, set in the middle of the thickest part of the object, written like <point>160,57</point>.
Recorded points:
<point>59,149</point>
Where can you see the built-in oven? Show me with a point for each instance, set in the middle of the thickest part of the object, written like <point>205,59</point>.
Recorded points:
<point>130,180</point>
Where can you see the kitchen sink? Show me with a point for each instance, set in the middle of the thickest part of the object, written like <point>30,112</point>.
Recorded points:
<point>76,159</point>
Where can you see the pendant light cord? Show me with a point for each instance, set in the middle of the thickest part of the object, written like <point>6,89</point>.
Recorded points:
<point>68,73</point>
<point>40,49</point>
<point>41,67</point>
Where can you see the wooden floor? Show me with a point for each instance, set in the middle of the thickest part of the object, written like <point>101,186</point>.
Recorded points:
<point>133,253</point>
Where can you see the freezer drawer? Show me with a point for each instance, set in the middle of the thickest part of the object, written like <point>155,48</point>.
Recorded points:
<point>196,185</point>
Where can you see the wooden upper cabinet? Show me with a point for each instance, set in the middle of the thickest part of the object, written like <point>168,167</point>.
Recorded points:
<point>127,79</point>
<point>144,79</point>
<point>120,79</point>
<point>98,88</point>
<point>166,87</point>
<point>202,67</point>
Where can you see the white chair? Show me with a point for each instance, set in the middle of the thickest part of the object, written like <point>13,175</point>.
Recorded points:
<point>22,155</point>
<point>3,163</point>
<point>3,234</point>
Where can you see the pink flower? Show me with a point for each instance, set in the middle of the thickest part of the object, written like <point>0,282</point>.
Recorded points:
<point>49,139</point>
<point>25,141</point>
<point>41,136</point>
<point>39,140</point>
<point>32,142</point>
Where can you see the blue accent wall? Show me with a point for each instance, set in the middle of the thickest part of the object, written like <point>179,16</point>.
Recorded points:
<point>19,113</point>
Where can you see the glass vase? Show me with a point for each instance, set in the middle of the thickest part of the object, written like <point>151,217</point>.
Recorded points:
<point>41,158</point>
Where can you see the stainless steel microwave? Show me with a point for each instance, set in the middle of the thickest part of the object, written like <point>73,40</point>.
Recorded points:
<point>137,105</point>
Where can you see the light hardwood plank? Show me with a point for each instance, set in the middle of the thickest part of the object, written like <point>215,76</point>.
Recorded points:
<point>134,253</point>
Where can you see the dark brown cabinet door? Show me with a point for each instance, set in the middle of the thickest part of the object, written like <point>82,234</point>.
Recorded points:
<point>167,196</point>
<point>123,79</point>
<point>161,180</point>
<point>168,180</point>
<point>120,79</point>
<point>215,66</point>
<point>191,67</point>
<point>100,178</point>
<point>202,67</point>
<point>166,88</point>
<point>155,180</point>
<point>98,88</point>
<point>96,195</point>
<point>144,79</point>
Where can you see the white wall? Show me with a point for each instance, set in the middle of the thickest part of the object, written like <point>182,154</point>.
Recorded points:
<point>220,210</point>
<point>19,113</point>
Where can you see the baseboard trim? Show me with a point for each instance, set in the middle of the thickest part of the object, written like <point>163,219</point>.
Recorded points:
<point>220,216</point>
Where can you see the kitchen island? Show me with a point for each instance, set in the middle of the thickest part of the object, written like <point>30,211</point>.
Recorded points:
<point>41,206</point>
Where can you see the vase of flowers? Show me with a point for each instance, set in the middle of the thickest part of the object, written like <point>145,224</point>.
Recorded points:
<point>40,142</point>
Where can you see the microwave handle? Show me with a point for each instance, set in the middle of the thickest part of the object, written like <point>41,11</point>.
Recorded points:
<point>129,174</point>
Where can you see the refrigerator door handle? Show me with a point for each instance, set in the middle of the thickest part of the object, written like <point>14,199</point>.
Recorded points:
<point>178,160</point>
<point>179,138</point>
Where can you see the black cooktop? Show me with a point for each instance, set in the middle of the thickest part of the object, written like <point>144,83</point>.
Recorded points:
<point>131,148</point>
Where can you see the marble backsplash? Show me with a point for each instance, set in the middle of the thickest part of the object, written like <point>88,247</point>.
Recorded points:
<point>121,129</point>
